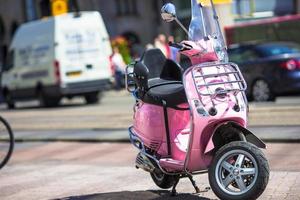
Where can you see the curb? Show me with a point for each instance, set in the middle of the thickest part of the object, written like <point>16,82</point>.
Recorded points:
<point>269,134</point>
<point>24,140</point>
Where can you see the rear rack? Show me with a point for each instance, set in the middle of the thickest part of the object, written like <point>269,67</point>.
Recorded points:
<point>225,75</point>
<point>218,80</point>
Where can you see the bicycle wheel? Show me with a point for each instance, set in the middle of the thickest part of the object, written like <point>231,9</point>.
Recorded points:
<point>6,142</point>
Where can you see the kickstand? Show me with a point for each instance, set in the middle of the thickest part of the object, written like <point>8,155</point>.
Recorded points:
<point>194,184</point>
<point>173,192</point>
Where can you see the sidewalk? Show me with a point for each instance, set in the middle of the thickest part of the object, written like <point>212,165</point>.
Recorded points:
<point>266,133</point>
<point>106,171</point>
<point>119,183</point>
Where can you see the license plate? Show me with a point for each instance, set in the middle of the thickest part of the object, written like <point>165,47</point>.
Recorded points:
<point>75,73</point>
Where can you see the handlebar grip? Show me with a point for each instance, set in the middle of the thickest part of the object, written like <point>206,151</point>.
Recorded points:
<point>176,45</point>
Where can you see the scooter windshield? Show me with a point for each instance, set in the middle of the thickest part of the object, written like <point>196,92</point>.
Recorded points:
<point>204,28</point>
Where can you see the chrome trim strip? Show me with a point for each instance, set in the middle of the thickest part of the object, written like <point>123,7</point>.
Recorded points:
<point>191,123</point>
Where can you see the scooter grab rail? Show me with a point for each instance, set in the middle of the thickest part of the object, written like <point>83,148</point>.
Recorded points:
<point>213,75</point>
<point>212,84</point>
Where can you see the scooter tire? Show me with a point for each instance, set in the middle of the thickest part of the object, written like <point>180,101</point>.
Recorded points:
<point>262,170</point>
<point>162,180</point>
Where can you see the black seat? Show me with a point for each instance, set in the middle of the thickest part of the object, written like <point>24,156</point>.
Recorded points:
<point>164,79</point>
<point>172,94</point>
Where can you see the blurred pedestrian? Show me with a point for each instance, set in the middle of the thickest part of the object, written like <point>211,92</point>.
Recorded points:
<point>119,67</point>
<point>149,46</point>
<point>173,51</point>
<point>161,43</point>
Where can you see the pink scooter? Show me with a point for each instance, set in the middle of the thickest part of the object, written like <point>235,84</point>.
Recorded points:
<point>191,118</point>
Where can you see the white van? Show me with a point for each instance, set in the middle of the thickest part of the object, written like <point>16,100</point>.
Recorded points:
<point>63,56</point>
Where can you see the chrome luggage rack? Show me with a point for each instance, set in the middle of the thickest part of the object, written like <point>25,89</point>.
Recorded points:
<point>229,79</point>
<point>226,79</point>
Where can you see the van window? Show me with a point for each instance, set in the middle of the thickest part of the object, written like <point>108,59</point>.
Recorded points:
<point>10,61</point>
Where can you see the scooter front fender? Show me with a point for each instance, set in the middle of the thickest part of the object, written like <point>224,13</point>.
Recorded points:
<point>240,131</point>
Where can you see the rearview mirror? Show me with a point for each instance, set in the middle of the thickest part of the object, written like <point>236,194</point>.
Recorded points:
<point>168,12</point>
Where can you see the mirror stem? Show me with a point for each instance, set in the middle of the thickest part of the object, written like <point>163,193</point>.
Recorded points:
<point>181,25</point>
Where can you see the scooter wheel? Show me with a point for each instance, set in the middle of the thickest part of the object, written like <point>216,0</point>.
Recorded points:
<point>162,180</point>
<point>239,170</point>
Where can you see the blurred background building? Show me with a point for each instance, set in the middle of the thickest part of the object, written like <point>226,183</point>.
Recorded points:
<point>138,20</point>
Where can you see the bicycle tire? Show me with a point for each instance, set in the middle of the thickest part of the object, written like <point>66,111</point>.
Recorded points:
<point>6,158</point>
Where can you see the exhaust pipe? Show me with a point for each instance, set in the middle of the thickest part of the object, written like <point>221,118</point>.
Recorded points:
<point>144,163</point>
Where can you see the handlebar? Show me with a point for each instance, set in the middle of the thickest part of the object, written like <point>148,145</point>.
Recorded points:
<point>176,45</point>
<point>179,46</point>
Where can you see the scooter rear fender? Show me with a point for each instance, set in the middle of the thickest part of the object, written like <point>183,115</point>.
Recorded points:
<point>235,130</point>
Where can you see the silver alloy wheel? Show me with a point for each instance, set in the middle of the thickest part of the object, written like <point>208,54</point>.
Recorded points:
<point>261,91</point>
<point>236,172</point>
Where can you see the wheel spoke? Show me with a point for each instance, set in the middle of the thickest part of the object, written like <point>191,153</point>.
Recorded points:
<point>239,161</point>
<point>228,180</point>
<point>247,171</point>
<point>227,166</point>
<point>240,183</point>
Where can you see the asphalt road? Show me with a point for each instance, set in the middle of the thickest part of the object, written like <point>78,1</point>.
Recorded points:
<point>115,112</point>
<point>106,171</point>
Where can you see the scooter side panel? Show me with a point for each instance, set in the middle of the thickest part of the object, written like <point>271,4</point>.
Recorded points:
<point>149,124</point>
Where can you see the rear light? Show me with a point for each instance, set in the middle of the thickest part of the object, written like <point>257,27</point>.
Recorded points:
<point>291,64</point>
<point>57,71</point>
